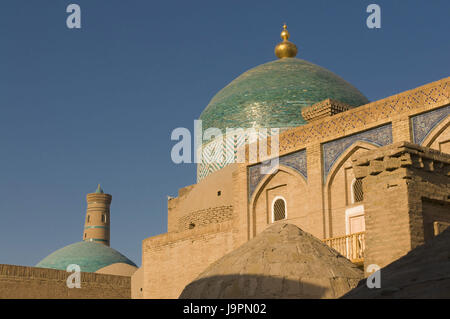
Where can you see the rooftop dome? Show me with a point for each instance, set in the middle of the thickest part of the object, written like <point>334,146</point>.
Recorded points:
<point>273,94</point>
<point>269,96</point>
<point>90,256</point>
<point>281,262</point>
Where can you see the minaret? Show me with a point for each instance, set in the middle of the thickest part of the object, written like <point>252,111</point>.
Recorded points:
<point>96,227</point>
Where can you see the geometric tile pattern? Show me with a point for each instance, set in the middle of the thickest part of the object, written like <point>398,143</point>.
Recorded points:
<point>213,159</point>
<point>424,123</point>
<point>331,151</point>
<point>360,117</point>
<point>296,160</point>
<point>274,93</point>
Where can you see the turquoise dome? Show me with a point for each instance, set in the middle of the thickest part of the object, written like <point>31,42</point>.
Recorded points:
<point>273,94</point>
<point>90,256</point>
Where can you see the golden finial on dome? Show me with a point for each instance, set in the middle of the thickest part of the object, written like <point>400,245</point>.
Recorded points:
<point>285,49</point>
<point>285,33</point>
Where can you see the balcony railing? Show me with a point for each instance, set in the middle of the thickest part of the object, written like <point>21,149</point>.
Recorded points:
<point>351,246</point>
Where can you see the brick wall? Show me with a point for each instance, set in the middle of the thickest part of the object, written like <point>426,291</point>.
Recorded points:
<point>397,179</point>
<point>214,191</point>
<point>173,260</point>
<point>395,109</point>
<point>320,211</point>
<point>42,283</point>
<point>204,217</point>
<point>436,217</point>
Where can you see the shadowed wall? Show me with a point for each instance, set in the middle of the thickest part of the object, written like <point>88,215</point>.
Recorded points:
<point>43,283</point>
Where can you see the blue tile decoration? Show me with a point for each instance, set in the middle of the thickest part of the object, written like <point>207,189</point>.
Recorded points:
<point>331,151</point>
<point>424,123</point>
<point>90,256</point>
<point>212,162</point>
<point>272,95</point>
<point>296,160</point>
<point>433,94</point>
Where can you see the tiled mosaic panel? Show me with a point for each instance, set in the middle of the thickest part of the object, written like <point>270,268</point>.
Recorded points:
<point>214,160</point>
<point>331,151</point>
<point>424,123</point>
<point>273,95</point>
<point>359,117</point>
<point>296,160</point>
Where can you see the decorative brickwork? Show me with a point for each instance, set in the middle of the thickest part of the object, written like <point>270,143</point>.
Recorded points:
<point>367,116</point>
<point>324,109</point>
<point>203,217</point>
<point>346,123</point>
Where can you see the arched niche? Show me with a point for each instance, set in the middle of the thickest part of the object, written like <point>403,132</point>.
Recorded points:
<point>284,183</point>
<point>439,137</point>
<point>338,196</point>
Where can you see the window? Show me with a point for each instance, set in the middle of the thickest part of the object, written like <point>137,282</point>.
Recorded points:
<point>103,218</point>
<point>357,191</point>
<point>89,218</point>
<point>278,209</point>
<point>219,193</point>
<point>84,235</point>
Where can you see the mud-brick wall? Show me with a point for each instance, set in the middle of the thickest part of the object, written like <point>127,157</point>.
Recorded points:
<point>41,283</point>
<point>203,217</point>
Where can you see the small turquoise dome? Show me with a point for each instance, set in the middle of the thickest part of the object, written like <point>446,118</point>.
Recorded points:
<point>273,94</point>
<point>90,256</point>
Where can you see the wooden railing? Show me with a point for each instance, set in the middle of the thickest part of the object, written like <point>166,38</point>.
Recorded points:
<point>351,246</point>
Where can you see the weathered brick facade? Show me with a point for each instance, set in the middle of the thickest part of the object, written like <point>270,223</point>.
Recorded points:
<point>212,215</point>
<point>406,193</point>
<point>316,180</point>
<point>172,260</point>
<point>43,283</point>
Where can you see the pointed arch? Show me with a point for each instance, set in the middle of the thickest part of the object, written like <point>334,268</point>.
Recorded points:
<point>267,179</point>
<point>436,132</point>
<point>294,177</point>
<point>339,163</point>
<point>345,156</point>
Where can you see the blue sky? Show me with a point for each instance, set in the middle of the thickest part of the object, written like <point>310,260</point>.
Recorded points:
<point>98,105</point>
